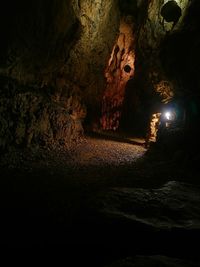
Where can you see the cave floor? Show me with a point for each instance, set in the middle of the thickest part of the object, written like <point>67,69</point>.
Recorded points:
<point>83,195</point>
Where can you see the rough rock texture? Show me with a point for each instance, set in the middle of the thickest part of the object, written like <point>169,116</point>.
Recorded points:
<point>153,129</point>
<point>175,205</point>
<point>119,70</point>
<point>99,21</point>
<point>119,57</point>
<point>28,117</point>
<point>166,56</point>
<point>153,33</point>
<point>52,58</point>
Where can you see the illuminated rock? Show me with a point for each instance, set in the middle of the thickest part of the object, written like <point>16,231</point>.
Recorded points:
<point>120,69</point>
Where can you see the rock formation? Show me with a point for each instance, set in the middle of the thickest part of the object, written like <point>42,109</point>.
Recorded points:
<point>52,59</point>
<point>104,63</point>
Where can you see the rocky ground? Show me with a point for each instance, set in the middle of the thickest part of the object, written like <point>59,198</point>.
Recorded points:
<point>101,192</point>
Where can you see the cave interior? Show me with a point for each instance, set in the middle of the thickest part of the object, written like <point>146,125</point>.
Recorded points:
<point>99,127</point>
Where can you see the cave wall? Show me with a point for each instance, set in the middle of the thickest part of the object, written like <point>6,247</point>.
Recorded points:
<point>162,63</point>
<point>52,56</point>
<point>119,70</point>
<point>154,32</point>
<point>103,62</point>
<point>168,56</point>
<point>183,46</point>
<point>180,54</point>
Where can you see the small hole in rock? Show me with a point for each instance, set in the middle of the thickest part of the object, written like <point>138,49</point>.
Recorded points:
<point>127,69</point>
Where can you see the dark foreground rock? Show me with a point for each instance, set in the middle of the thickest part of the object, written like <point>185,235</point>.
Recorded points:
<point>100,195</point>
<point>175,205</point>
<point>152,261</point>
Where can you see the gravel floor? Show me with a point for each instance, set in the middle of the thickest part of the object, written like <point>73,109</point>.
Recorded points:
<point>106,152</point>
<point>89,152</point>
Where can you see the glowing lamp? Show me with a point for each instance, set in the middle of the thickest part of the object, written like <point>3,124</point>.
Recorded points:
<point>168,115</point>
